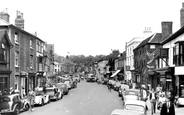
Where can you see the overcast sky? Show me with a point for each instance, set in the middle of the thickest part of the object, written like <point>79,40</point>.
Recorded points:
<point>93,27</point>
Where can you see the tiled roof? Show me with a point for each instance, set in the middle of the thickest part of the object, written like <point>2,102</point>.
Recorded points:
<point>144,42</point>
<point>155,38</point>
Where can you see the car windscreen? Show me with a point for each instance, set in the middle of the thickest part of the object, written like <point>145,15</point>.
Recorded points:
<point>134,107</point>
<point>38,93</point>
<point>131,93</point>
<point>4,99</point>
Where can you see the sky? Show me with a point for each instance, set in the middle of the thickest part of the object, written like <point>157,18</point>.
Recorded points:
<point>92,27</point>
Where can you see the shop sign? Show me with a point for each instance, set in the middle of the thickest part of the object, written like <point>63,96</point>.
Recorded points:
<point>179,70</point>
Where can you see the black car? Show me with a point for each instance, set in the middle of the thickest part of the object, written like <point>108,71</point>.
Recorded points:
<point>90,78</point>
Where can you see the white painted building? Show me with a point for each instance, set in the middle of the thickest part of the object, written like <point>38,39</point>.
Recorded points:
<point>130,46</point>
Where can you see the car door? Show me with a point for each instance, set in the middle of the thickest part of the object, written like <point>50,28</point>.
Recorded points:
<point>16,102</point>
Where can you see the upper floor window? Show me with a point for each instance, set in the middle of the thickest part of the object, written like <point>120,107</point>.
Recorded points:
<point>16,36</point>
<point>16,59</point>
<point>31,61</point>
<point>2,53</point>
<point>178,53</point>
<point>31,43</point>
<point>152,46</point>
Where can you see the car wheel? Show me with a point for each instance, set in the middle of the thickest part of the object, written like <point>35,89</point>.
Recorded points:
<point>16,110</point>
<point>27,107</point>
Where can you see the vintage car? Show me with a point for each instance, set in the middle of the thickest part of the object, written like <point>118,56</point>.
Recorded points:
<point>117,86</point>
<point>54,93</point>
<point>132,107</point>
<point>90,78</point>
<point>13,104</point>
<point>131,94</point>
<point>179,101</point>
<point>41,98</point>
<point>122,88</point>
<point>63,86</point>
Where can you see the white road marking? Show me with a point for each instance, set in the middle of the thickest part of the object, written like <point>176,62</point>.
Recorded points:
<point>67,111</point>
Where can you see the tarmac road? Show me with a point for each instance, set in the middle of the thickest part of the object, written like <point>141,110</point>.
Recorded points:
<point>86,99</point>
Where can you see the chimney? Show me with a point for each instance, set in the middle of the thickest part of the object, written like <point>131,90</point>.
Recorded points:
<point>182,15</point>
<point>166,29</point>
<point>4,15</point>
<point>19,21</point>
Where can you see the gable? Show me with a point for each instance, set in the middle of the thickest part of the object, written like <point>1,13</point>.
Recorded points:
<point>4,38</point>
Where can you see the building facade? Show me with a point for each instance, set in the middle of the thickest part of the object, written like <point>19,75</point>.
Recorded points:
<point>5,71</point>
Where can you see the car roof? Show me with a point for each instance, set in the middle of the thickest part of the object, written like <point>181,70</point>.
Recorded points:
<point>136,102</point>
<point>10,95</point>
<point>132,90</point>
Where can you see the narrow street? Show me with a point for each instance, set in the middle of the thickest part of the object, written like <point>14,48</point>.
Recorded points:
<point>86,99</point>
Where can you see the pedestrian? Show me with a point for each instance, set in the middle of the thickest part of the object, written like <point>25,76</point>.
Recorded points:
<point>167,108</point>
<point>12,90</point>
<point>23,92</point>
<point>31,97</point>
<point>153,101</point>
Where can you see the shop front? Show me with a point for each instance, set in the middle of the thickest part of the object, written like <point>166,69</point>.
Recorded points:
<point>166,78</point>
<point>4,82</point>
<point>179,72</point>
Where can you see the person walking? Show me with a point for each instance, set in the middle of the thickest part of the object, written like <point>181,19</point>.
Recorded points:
<point>167,108</point>
<point>153,101</point>
<point>31,97</point>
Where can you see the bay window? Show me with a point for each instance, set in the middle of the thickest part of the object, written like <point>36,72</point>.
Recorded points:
<point>178,53</point>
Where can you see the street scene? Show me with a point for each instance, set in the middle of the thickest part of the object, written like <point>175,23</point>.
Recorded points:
<point>99,57</point>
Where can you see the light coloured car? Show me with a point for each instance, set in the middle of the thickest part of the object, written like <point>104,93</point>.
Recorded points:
<point>131,94</point>
<point>41,98</point>
<point>122,88</point>
<point>179,101</point>
<point>132,107</point>
<point>63,86</point>
<point>54,93</point>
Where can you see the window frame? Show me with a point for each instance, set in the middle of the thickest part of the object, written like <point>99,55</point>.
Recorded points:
<point>16,37</point>
<point>178,54</point>
<point>16,59</point>
<point>3,57</point>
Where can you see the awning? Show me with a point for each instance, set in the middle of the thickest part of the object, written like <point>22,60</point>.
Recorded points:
<point>115,73</point>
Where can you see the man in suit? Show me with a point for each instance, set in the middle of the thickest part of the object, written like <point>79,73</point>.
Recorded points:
<point>167,108</point>
<point>153,101</point>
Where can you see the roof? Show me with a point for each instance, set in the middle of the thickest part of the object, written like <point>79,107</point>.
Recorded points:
<point>23,31</point>
<point>4,33</point>
<point>153,39</point>
<point>136,102</point>
<point>173,36</point>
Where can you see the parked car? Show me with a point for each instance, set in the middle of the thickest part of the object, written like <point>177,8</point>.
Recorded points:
<point>76,78</point>
<point>54,93</point>
<point>41,98</point>
<point>132,107</point>
<point>90,78</point>
<point>68,83</point>
<point>122,88</point>
<point>112,82</point>
<point>179,101</point>
<point>131,94</point>
<point>13,104</point>
<point>63,86</point>
<point>117,86</point>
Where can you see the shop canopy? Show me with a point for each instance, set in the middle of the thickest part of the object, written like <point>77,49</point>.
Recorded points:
<point>114,74</point>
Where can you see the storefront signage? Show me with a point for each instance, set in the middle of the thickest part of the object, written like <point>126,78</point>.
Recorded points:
<point>179,70</point>
<point>164,52</point>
